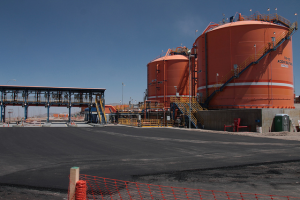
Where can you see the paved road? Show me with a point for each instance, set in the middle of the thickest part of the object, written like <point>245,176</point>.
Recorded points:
<point>42,157</point>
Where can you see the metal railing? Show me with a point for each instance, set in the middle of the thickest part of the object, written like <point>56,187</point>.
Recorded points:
<point>272,18</point>
<point>145,122</point>
<point>185,104</point>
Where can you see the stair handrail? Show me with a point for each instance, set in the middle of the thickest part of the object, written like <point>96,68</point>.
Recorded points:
<point>103,110</point>
<point>97,107</point>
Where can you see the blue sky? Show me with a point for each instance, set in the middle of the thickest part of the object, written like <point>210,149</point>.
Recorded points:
<point>100,44</point>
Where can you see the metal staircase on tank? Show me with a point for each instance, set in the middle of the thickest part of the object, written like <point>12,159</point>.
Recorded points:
<point>235,73</point>
<point>184,104</point>
<point>100,111</point>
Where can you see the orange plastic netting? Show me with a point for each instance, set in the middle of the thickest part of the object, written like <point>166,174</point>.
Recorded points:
<point>105,188</point>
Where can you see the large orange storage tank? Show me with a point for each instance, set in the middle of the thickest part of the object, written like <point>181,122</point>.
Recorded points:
<point>268,84</point>
<point>163,74</point>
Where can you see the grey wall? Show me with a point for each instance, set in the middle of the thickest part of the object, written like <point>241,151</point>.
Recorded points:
<point>269,114</point>
<point>215,119</point>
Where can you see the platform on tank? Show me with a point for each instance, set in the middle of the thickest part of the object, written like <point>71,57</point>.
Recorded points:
<point>216,119</point>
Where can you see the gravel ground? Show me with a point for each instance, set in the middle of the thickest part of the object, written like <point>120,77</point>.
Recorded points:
<point>22,193</point>
<point>281,178</point>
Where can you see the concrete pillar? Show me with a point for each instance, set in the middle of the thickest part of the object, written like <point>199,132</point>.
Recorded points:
<point>74,177</point>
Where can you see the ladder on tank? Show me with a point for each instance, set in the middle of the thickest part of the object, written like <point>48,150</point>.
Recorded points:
<point>184,104</point>
<point>100,111</point>
<point>235,73</point>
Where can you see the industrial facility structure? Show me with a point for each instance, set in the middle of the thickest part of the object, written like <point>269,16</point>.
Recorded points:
<point>69,97</point>
<point>245,63</point>
<point>236,72</point>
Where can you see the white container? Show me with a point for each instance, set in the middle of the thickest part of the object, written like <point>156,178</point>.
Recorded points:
<point>259,129</point>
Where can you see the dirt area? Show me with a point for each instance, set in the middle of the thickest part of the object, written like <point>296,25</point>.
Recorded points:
<point>278,178</point>
<point>281,179</point>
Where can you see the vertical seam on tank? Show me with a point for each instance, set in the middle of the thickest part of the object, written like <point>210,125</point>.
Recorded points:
<point>147,82</point>
<point>206,73</point>
<point>231,61</point>
<point>164,85</point>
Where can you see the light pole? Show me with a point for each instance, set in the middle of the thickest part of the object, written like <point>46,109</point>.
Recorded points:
<point>176,90</point>
<point>195,34</point>
<point>11,80</point>
<point>122,92</point>
<point>251,11</point>
<point>276,10</point>
<point>296,17</point>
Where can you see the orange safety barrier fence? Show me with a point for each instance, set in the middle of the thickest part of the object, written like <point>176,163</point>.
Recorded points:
<point>80,190</point>
<point>113,189</point>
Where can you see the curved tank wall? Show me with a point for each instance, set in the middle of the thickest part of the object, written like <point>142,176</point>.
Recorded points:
<point>268,84</point>
<point>163,74</point>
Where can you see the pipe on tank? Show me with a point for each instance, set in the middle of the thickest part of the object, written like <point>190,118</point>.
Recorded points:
<point>206,71</point>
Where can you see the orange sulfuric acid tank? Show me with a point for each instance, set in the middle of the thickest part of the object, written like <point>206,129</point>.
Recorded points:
<point>167,75</point>
<point>246,64</point>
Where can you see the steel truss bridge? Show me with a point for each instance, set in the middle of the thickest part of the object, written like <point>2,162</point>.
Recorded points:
<point>69,97</point>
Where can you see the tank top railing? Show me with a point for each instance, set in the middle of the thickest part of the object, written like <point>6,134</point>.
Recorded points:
<point>273,18</point>
<point>251,60</point>
<point>268,18</point>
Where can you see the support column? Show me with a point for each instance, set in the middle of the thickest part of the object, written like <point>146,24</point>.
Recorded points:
<point>25,111</point>
<point>25,105</point>
<point>70,113</point>
<point>48,110</point>
<point>48,106</point>
<point>90,106</point>
<point>90,114</point>
<point>3,113</point>
<point>1,117</point>
<point>70,105</point>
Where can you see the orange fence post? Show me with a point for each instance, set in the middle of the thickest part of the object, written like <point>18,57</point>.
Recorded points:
<point>74,177</point>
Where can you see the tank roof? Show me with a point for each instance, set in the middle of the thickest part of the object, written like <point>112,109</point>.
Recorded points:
<point>240,23</point>
<point>171,57</point>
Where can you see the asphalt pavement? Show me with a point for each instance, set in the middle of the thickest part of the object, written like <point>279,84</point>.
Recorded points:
<point>42,157</point>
